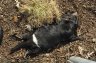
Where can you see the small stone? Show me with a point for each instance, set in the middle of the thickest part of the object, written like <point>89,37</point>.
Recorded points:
<point>47,54</point>
<point>28,27</point>
<point>81,50</point>
<point>12,60</point>
<point>0,57</point>
<point>0,8</point>
<point>94,39</point>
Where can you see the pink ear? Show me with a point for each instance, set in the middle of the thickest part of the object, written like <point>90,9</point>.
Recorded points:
<point>75,14</point>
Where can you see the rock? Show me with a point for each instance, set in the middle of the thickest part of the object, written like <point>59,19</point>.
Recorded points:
<point>75,59</point>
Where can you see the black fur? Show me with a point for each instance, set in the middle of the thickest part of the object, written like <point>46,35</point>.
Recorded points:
<point>49,36</point>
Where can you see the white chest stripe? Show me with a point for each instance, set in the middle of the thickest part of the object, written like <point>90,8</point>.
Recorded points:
<point>35,40</point>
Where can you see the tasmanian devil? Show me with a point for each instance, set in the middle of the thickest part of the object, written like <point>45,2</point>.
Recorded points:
<point>1,35</point>
<point>47,37</point>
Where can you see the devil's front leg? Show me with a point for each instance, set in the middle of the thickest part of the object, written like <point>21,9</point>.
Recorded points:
<point>15,37</point>
<point>24,37</point>
<point>33,52</point>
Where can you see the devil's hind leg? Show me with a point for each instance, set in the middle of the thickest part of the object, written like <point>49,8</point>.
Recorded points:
<point>19,46</point>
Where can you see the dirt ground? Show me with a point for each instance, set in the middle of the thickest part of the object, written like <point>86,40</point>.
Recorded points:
<point>85,48</point>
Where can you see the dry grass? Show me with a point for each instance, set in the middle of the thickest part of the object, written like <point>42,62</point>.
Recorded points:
<point>41,11</point>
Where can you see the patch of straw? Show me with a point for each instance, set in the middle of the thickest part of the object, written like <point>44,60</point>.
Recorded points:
<point>41,10</point>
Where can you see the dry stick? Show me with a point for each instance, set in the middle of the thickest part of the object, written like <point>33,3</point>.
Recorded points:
<point>91,10</point>
<point>75,59</point>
